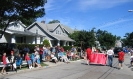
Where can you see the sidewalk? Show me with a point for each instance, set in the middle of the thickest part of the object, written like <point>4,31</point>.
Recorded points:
<point>50,64</point>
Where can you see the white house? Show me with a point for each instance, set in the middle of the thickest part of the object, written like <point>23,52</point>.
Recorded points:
<point>118,43</point>
<point>56,33</point>
<point>16,33</point>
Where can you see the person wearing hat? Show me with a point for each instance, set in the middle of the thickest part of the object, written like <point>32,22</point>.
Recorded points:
<point>12,61</point>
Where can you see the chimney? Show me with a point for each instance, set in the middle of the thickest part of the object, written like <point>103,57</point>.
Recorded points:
<point>43,21</point>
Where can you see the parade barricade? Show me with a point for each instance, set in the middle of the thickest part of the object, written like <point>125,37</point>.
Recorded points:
<point>98,58</point>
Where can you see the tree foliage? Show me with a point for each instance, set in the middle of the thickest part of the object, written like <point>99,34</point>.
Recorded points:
<point>106,39</point>
<point>54,21</point>
<point>26,11</point>
<point>46,43</point>
<point>88,38</point>
<point>83,38</point>
<point>128,40</point>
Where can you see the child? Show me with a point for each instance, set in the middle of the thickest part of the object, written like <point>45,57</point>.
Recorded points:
<point>18,61</point>
<point>37,58</point>
<point>27,58</point>
<point>4,58</point>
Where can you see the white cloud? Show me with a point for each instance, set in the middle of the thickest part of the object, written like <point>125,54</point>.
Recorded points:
<point>100,4</point>
<point>49,5</point>
<point>113,23</point>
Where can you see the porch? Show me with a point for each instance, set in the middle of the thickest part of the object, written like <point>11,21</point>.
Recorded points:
<point>61,43</point>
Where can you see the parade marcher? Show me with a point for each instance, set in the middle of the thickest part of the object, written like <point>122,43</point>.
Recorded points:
<point>121,58</point>
<point>4,59</point>
<point>88,54</point>
<point>131,59</point>
<point>110,54</point>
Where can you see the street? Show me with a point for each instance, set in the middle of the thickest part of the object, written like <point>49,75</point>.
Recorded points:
<point>76,70</point>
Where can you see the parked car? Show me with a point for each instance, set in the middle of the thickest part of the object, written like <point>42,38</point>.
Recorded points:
<point>116,51</point>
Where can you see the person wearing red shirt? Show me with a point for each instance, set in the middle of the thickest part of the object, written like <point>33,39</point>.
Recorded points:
<point>88,54</point>
<point>120,58</point>
<point>27,58</point>
<point>4,58</point>
<point>62,49</point>
<point>41,52</point>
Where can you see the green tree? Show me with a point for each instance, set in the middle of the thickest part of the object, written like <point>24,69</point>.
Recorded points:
<point>128,40</point>
<point>54,21</point>
<point>83,38</point>
<point>106,39</point>
<point>26,11</point>
<point>46,43</point>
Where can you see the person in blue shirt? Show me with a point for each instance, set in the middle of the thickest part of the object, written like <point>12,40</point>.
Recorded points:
<point>19,61</point>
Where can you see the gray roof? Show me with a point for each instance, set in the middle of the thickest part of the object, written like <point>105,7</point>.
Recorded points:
<point>68,29</point>
<point>51,27</point>
<point>26,32</point>
<point>64,38</point>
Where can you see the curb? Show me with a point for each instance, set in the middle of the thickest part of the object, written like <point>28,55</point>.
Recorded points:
<point>50,64</point>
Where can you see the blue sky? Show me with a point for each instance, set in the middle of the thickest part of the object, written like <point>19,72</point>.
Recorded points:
<point>109,15</point>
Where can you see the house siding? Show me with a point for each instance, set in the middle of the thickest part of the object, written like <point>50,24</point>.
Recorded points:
<point>58,31</point>
<point>36,28</point>
<point>41,32</point>
<point>6,38</point>
<point>18,27</point>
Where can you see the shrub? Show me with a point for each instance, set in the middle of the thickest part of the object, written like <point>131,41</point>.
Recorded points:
<point>46,43</point>
<point>67,47</point>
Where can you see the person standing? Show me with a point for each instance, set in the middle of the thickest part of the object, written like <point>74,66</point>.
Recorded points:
<point>88,54</point>
<point>121,58</point>
<point>12,60</point>
<point>25,51</point>
<point>110,54</point>
<point>4,58</point>
<point>41,53</point>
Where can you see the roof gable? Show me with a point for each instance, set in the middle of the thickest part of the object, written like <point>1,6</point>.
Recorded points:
<point>16,25</point>
<point>50,30</point>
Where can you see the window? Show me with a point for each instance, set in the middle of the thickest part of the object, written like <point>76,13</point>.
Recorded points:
<point>36,31</point>
<point>56,31</point>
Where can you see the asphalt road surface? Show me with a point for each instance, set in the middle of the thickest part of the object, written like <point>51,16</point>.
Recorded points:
<point>76,70</point>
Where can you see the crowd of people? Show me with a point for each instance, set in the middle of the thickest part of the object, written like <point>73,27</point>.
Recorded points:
<point>55,54</point>
<point>41,54</point>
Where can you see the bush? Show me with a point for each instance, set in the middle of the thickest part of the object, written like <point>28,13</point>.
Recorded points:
<point>46,43</point>
<point>30,46</point>
<point>7,47</point>
<point>67,47</point>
